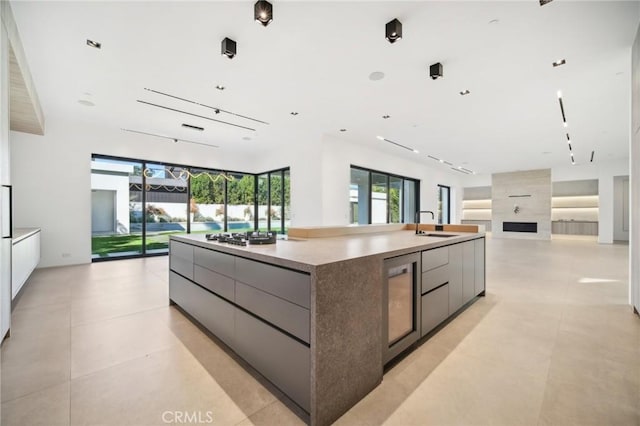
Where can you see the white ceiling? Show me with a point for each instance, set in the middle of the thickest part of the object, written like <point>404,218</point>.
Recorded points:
<point>315,58</point>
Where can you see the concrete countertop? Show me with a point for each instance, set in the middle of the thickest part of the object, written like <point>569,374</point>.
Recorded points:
<point>306,254</point>
<point>20,234</point>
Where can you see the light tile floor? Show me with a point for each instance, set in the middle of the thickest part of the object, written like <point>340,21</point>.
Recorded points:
<point>553,343</point>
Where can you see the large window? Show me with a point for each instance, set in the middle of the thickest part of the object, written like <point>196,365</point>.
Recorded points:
<point>444,203</point>
<point>378,197</point>
<point>137,204</point>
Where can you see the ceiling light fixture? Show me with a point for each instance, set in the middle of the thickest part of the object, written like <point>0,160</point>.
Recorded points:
<point>94,44</point>
<point>416,151</point>
<point>263,12</point>
<point>592,154</point>
<point>465,92</point>
<point>228,48</point>
<point>433,158</point>
<point>568,138</point>
<point>192,127</point>
<point>386,116</point>
<point>559,62</point>
<point>393,31</point>
<point>396,144</point>
<point>175,140</point>
<point>220,87</point>
<point>343,130</point>
<point>435,71</point>
<point>294,113</point>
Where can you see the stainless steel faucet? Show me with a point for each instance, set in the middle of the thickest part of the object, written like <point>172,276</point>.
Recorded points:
<point>418,213</point>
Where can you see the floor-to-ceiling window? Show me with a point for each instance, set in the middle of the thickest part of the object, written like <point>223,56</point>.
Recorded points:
<point>378,197</point>
<point>241,208</point>
<point>137,204</point>
<point>116,207</point>
<point>166,205</point>
<point>444,204</point>
<point>359,196</point>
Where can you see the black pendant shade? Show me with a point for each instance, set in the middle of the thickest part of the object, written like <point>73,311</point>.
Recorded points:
<point>228,48</point>
<point>393,31</point>
<point>263,12</point>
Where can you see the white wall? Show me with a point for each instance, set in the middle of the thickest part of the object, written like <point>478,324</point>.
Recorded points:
<point>604,171</point>
<point>52,179</point>
<point>621,208</point>
<point>634,178</point>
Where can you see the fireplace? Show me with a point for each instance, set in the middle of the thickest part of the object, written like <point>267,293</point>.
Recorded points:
<point>520,227</point>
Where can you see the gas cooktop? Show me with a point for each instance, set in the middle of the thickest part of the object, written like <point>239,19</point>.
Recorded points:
<point>242,239</point>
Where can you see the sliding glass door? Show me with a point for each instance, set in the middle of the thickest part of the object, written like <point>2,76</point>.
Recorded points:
<point>137,204</point>
<point>166,205</point>
<point>116,208</point>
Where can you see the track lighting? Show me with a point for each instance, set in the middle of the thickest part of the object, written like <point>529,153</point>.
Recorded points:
<point>228,48</point>
<point>393,31</point>
<point>263,12</point>
<point>435,71</point>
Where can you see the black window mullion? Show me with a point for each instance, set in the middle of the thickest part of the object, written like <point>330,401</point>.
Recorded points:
<point>224,203</point>
<point>144,209</point>
<point>268,201</point>
<point>370,197</point>
<point>189,202</point>
<point>255,202</point>
<point>282,201</point>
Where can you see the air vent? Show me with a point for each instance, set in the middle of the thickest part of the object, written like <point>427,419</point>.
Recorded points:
<point>192,127</point>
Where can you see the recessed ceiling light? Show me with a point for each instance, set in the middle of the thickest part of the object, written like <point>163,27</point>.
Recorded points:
<point>559,62</point>
<point>465,92</point>
<point>220,87</point>
<point>441,160</point>
<point>416,151</point>
<point>494,21</point>
<point>559,94</point>
<point>386,116</point>
<point>380,138</point>
<point>94,44</point>
<point>376,76</point>
<point>86,103</point>
<point>192,127</point>
<point>343,130</point>
<point>294,113</point>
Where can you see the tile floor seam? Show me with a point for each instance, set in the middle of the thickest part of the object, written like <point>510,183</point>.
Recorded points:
<point>155,351</point>
<point>83,324</point>
<point>31,393</point>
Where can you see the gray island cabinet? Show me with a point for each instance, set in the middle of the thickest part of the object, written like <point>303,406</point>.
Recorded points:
<point>309,315</point>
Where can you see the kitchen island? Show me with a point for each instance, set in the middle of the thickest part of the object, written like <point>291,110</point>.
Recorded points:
<point>314,315</point>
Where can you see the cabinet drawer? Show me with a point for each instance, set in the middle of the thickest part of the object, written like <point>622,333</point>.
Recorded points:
<point>211,311</point>
<point>435,277</point>
<point>435,308</point>
<point>282,360</point>
<point>217,283</point>
<point>182,266</point>
<point>285,315</point>
<point>434,258</point>
<point>182,250</point>
<point>286,284</point>
<point>215,261</point>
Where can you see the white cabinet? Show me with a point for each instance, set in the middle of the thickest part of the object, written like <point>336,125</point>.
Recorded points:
<point>25,256</point>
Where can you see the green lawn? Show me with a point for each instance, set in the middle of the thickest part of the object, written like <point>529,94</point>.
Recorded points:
<point>104,246</point>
